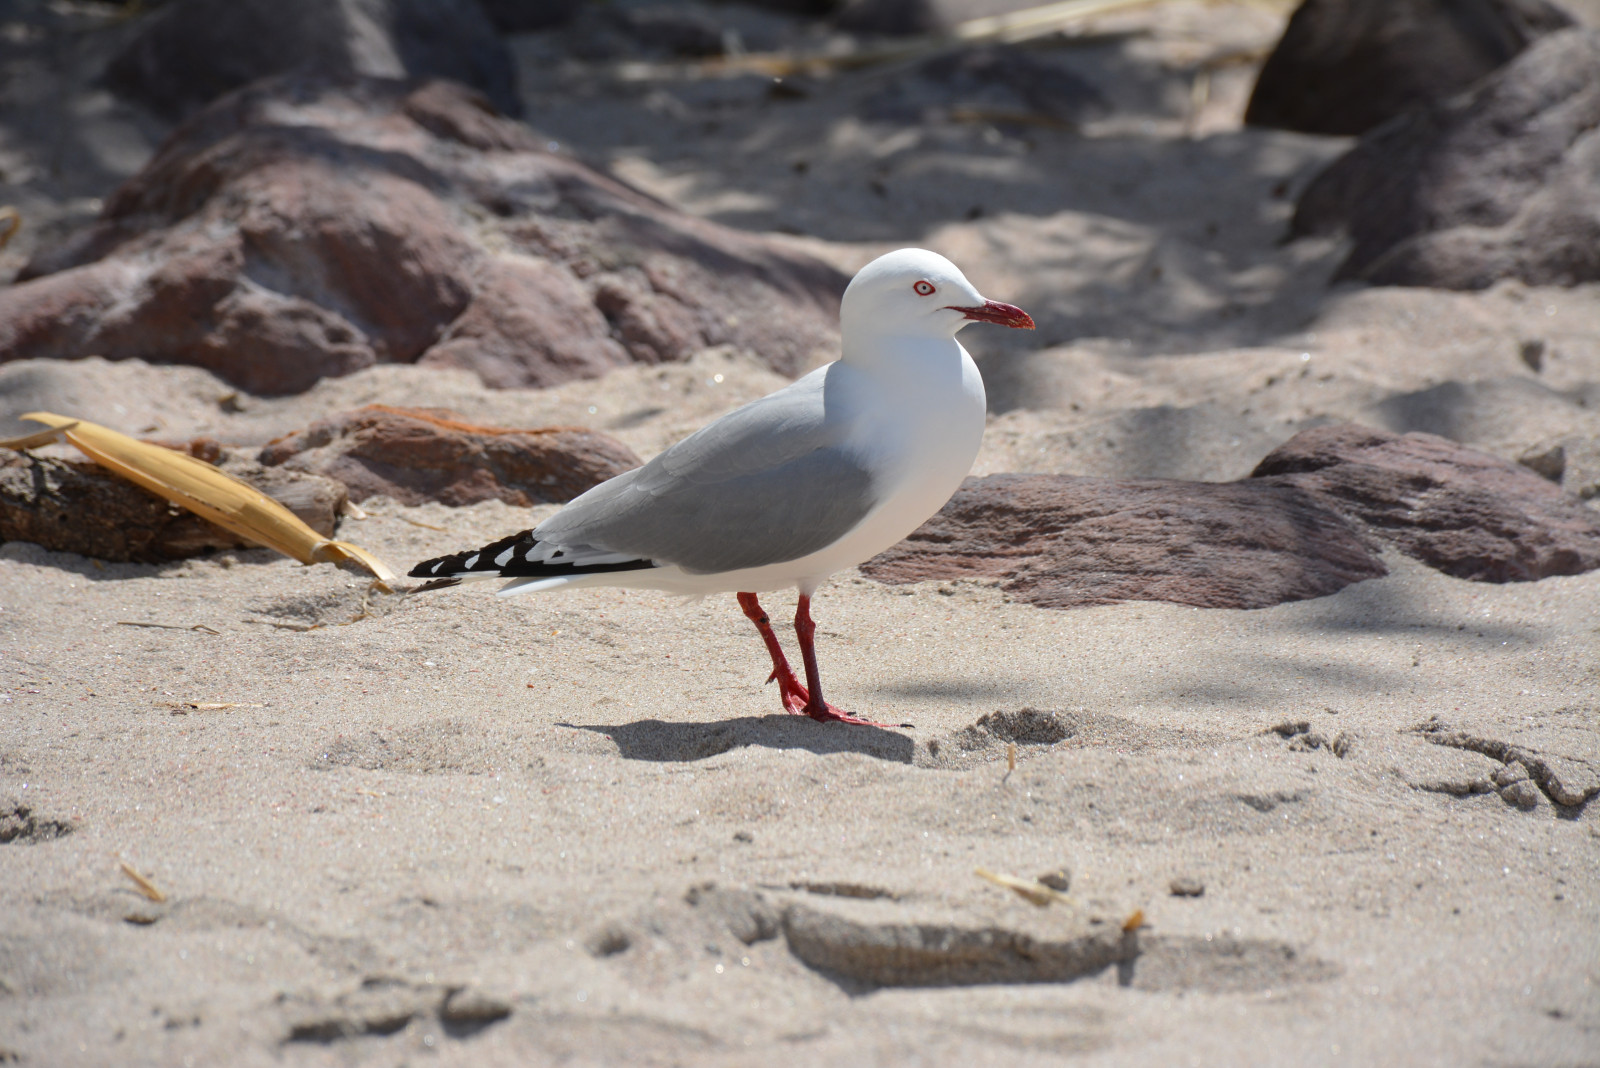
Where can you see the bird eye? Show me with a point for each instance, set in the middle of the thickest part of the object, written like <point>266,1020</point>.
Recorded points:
<point>924,288</point>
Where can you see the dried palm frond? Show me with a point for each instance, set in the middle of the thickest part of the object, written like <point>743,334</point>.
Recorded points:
<point>204,490</point>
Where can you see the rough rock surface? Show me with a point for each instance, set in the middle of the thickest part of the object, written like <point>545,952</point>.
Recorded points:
<point>1501,183</point>
<point>1344,66</point>
<point>1066,541</point>
<point>190,52</point>
<point>1464,512</point>
<point>414,456</point>
<point>298,229</point>
<point>77,506</point>
<point>1303,525</point>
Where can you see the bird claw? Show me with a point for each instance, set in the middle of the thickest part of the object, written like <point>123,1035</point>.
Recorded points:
<point>797,702</point>
<point>830,714</point>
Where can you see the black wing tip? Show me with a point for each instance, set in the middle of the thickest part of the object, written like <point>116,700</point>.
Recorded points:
<point>442,571</point>
<point>454,563</point>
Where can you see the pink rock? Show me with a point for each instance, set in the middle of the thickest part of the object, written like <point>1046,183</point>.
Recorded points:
<point>416,455</point>
<point>1305,524</point>
<point>1066,541</point>
<point>1467,513</point>
<point>297,229</point>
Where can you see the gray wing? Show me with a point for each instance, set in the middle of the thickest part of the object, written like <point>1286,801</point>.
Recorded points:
<point>766,483</point>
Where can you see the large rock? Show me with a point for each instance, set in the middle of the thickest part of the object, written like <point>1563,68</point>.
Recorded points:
<point>1344,66</point>
<point>190,52</point>
<point>301,228</point>
<point>1305,524</point>
<point>1464,512</point>
<point>1067,541</point>
<point>1501,183</point>
<point>416,455</point>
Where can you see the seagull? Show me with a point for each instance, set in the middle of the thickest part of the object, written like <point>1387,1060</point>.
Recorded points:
<point>784,492</point>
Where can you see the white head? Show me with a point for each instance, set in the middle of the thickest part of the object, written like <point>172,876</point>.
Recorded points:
<point>914,291</point>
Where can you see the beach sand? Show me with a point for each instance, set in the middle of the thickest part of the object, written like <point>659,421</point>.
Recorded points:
<point>575,829</point>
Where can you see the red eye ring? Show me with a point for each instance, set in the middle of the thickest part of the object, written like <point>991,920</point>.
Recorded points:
<point>924,288</point>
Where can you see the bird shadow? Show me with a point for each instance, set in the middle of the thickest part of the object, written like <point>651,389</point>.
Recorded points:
<point>653,739</point>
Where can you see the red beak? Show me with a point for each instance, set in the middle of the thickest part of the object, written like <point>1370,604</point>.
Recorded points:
<point>992,311</point>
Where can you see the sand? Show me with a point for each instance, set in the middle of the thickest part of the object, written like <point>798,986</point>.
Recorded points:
<point>451,828</point>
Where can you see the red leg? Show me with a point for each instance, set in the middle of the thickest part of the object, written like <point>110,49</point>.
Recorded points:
<point>815,706</point>
<point>793,695</point>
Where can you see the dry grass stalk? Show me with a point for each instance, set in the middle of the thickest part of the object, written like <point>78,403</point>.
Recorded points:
<point>146,887</point>
<point>299,627</point>
<point>1031,891</point>
<point>10,223</point>
<point>209,493</point>
<point>182,708</point>
<point>201,627</point>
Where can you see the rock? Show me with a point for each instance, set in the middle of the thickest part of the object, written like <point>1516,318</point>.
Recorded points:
<point>301,228</point>
<point>416,455</point>
<point>1549,462</point>
<point>531,323</point>
<point>1345,66</point>
<point>473,1009</point>
<point>1186,886</point>
<point>523,16</point>
<point>1303,525</point>
<point>1059,880</point>
<point>1463,512</point>
<point>190,52</point>
<point>1064,541</point>
<point>143,913</point>
<point>1503,182</point>
<point>1532,352</point>
<point>79,507</point>
<point>609,941</point>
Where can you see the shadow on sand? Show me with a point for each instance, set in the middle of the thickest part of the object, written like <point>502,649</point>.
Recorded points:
<point>653,739</point>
